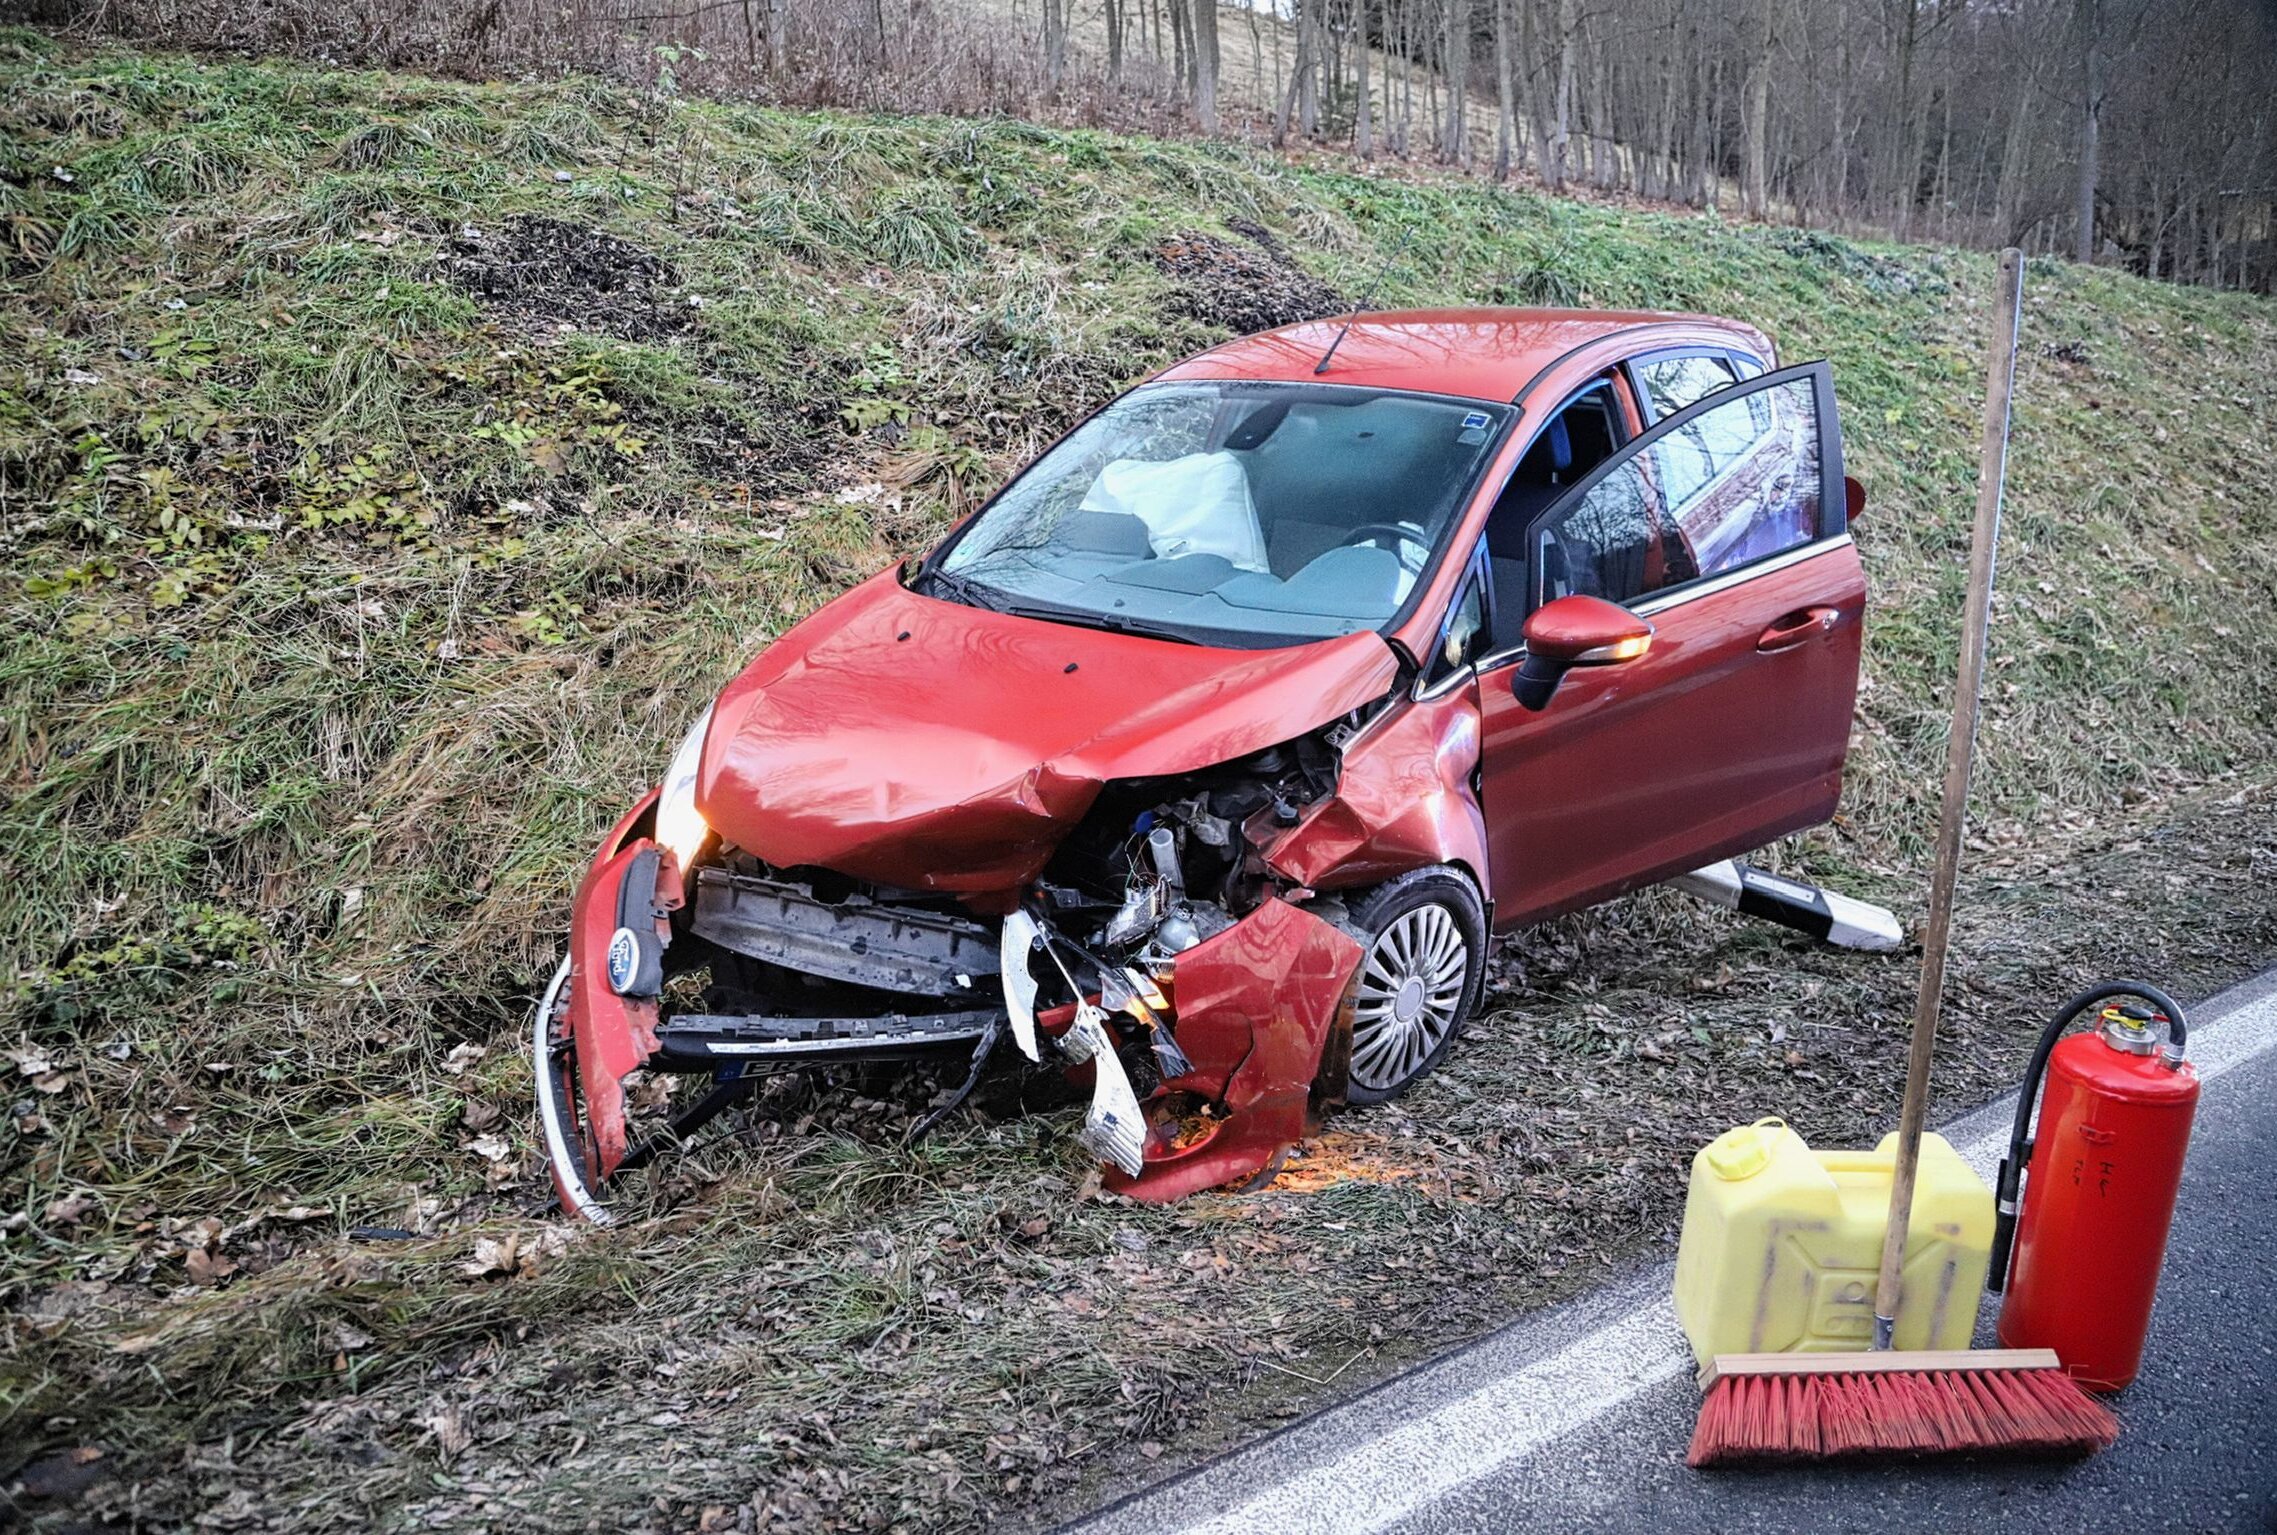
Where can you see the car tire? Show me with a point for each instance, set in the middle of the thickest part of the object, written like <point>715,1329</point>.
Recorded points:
<point>1425,964</point>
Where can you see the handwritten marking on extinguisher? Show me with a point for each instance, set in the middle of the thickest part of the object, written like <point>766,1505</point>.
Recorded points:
<point>2094,1137</point>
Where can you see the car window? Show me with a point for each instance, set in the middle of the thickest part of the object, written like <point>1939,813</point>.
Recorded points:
<point>1233,512</point>
<point>1737,483</point>
<point>1583,433</point>
<point>1671,384</point>
<point>1694,456</point>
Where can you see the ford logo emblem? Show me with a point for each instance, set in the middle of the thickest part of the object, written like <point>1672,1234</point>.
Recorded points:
<point>624,959</point>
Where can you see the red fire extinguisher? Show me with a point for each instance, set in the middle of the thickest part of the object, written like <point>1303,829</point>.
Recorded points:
<point>2106,1165</point>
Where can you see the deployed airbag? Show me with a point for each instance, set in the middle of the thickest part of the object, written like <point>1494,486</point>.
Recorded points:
<point>1198,504</point>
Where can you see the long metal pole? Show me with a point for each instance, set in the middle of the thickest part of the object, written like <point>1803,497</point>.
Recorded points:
<point>1959,747</point>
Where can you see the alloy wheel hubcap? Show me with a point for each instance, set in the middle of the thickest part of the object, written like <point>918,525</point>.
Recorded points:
<point>1411,986</point>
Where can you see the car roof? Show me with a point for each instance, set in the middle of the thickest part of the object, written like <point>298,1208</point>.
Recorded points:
<point>1486,354</point>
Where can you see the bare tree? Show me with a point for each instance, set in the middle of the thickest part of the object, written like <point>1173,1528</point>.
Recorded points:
<point>1455,52</point>
<point>1556,164</point>
<point>1300,73</point>
<point>1755,132</point>
<point>1206,61</point>
<point>1055,42</point>
<point>1505,94</point>
<point>1364,112</point>
<point>2088,22</point>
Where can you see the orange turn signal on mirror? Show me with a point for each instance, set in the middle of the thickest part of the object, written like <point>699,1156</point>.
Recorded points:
<point>1627,649</point>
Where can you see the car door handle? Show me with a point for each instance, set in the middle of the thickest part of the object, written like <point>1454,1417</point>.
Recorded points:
<point>1797,627</point>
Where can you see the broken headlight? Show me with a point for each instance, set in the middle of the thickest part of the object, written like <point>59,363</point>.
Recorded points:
<point>1156,920</point>
<point>679,826</point>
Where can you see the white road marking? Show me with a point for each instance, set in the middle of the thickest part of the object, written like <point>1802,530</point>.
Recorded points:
<point>1379,1481</point>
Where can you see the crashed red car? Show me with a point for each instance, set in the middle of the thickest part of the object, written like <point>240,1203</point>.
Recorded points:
<point>1209,754</point>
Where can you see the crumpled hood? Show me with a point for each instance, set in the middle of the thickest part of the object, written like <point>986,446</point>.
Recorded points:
<point>924,744</point>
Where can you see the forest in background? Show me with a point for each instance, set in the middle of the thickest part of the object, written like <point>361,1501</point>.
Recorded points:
<point>2124,132</point>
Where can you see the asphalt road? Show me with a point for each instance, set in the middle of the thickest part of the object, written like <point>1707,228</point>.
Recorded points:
<point>1578,1419</point>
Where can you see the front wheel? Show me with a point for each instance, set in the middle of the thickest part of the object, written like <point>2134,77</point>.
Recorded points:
<point>1426,957</point>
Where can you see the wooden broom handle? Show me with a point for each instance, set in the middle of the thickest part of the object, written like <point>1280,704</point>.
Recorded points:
<point>1991,480</point>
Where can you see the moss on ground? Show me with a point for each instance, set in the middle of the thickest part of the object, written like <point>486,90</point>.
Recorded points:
<point>389,468</point>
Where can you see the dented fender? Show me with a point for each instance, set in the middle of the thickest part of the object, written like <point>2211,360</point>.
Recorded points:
<point>1264,1012</point>
<point>1405,798</point>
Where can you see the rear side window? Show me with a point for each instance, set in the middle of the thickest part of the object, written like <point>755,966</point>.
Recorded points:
<point>1737,483</point>
<point>1671,384</point>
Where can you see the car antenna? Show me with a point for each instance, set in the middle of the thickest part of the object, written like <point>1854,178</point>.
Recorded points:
<point>1367,302</point>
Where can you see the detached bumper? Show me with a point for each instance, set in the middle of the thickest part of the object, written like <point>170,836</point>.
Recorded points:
<point>1263,1013</point>
<point>555,1068</point>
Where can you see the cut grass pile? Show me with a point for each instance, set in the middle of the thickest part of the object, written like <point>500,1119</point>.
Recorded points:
<point>389,470</point>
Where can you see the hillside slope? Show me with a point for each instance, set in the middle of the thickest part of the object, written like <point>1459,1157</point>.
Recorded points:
<point>390,469</point>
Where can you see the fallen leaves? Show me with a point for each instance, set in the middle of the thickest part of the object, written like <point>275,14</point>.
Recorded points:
<point>47,1072</point>
<point>493,1255</point>
<point>207,1266</point>
<point>202,1257</point>
<point>491,1148</point>
<point>70,1210</point>
<point>447,1431</point>
<point>501,1165</point>
<point>514,1254</point>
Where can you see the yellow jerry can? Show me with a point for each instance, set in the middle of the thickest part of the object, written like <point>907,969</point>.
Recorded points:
<point>1782,1245</point>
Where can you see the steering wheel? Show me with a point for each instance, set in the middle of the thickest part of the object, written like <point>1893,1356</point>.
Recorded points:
<point>1404,535</point>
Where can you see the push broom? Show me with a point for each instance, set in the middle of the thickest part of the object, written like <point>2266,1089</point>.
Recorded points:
<point>1807,1406</point>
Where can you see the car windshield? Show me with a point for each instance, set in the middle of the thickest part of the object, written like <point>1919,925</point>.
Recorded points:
<point>1230,513</point>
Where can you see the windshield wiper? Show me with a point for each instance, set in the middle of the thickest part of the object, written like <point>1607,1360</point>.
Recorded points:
<point>964,589</point>
<point>1116,623</point>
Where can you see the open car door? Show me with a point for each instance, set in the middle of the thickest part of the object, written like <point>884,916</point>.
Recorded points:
<point>1726,527</point>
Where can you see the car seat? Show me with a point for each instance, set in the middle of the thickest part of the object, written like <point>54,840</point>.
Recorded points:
<point>1543,475</point>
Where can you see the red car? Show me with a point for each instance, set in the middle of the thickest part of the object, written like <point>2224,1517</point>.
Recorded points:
<point>1209,754</point>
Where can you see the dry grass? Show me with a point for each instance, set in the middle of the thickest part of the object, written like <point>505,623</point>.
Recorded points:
<point>347,605</point>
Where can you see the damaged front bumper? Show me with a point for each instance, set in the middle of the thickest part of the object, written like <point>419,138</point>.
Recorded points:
<point>1236,1045</point>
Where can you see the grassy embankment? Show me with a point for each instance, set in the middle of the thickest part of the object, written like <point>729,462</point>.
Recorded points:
<point>367,549</point>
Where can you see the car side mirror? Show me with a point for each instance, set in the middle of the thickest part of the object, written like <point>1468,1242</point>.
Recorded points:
<point>1853,499</point>
<point>1575,631</point>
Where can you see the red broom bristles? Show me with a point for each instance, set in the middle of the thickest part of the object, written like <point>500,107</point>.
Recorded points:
<point>1804,1417</point>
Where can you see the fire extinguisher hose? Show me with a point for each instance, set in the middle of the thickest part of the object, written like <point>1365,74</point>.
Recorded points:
<point>2010,1182</point>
